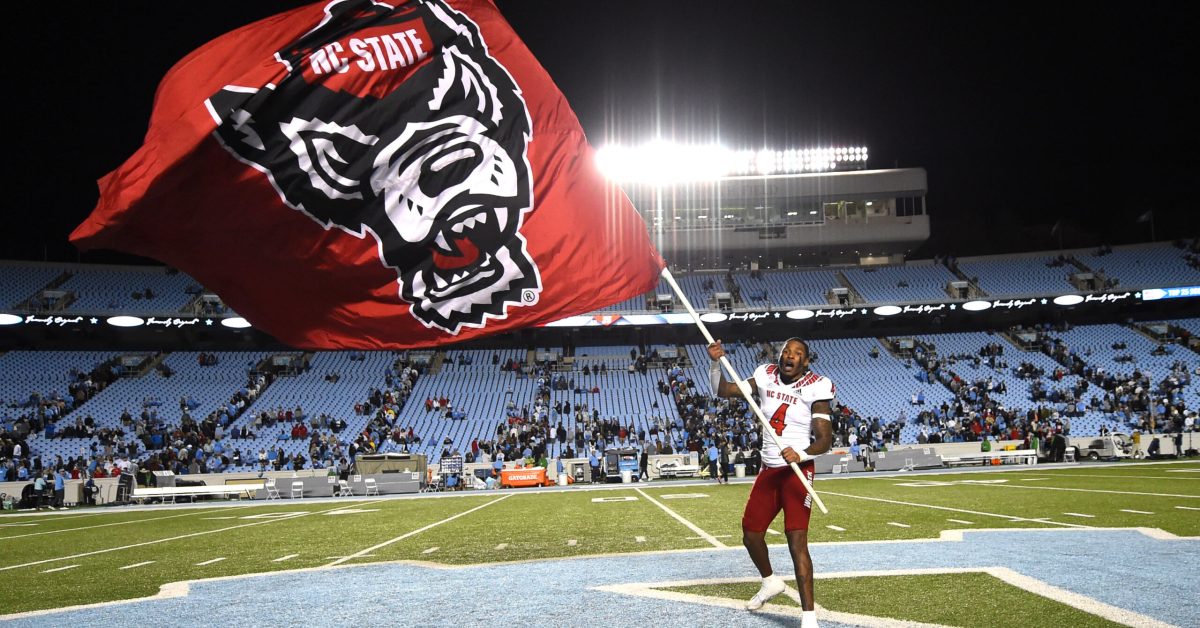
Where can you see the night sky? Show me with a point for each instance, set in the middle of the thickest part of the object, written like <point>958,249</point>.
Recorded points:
<point>1023,114</point>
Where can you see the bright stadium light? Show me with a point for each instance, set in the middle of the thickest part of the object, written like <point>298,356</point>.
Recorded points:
<point>661,163</point>
<point>235,322</point>
<point>10,319</point>
<point>125,321</point>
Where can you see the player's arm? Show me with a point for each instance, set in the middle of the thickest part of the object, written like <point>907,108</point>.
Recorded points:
<point>722,387</point>
<point>822,428</point>
<point>822,431</point>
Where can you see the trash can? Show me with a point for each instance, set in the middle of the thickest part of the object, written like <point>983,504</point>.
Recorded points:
<point>562,479</point>
<point>739,470</point>
<point>626,476</point>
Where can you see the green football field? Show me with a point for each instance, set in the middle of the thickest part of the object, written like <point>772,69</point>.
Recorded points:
<point>94,555</point>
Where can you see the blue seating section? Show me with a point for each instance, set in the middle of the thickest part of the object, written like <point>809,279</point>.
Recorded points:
<point>21,281</point>
<point>1018,275</point>
<point>795,288</point>
<point>1144,266</point>
<point>112,290</point>
<point>899,284</point>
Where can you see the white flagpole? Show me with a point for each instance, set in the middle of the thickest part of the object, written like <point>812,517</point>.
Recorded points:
<point>742,386</point>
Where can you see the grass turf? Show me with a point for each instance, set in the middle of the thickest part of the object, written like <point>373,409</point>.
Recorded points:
<point>970,600</point>
<point>531,526</point>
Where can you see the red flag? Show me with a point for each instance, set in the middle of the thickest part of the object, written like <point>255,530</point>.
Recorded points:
<point>353,174</point>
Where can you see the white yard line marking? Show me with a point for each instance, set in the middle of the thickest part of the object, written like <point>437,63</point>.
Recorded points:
<point>899,525</point>
<point>773,531</point>
<point>639,539</point>
<point>283,558</point>
<point>836,528</point>
<point>712,540</point>
<point>502,546</point>
<point>1088,490</point>
<point>1137,512</point>
<point>1080,514</point>
<point>136,565</point>
<point>60,569</point>
<point>209,562</point>
<point>117,523</point>
<point>431,550</point>
<point>218,518</point>
<point>17,525</point>
<point>966,523</point>
<point>157,541</point>
<point>1182,470</point>
<point>1112,476</point>
<point>572,542</point>
<point>963,510</point>
<point>435,524</point>
<point>655,590</point>
<point>1187,508</point>
<point>1035,479</point>
<point>715,536</point>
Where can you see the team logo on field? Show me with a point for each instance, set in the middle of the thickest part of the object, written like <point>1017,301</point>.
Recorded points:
<point>400,124</point>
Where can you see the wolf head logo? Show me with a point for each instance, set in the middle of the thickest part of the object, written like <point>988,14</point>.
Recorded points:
<point>434,167</point>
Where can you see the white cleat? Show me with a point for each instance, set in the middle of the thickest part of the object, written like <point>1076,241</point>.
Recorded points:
<point>771,587</point>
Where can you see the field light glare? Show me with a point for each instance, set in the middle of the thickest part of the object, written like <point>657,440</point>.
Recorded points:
<point>665,163</point>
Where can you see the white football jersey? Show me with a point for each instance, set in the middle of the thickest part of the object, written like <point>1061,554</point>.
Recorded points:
<point>788,408</point>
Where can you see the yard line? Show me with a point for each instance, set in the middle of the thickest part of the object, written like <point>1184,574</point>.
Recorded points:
<point>1088,490</point>
<point>136,565</point>
<point>117,523</point>
<point>502,546</point>
<point>572,542</point>
<point>166,540</point>
<point>715,536</point>
<point>1080,514</point>
<point>17,525</point>
<point>899,525</point>
<point>1187,508</point>
<point>773,531</point>
<point>1137,512</point>
<point>431,550</point>
<point>966,523</point>
<point>691,526</point>
<point>435,524</point>
<point>60,569</point>
<point>209,562</point>
<point>836,528</point>
<point>1113,476</point>
<point>283,558</point>
<point>969,512</point>
<point>639,539</point>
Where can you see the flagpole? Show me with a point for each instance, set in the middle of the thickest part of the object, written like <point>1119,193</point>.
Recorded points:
<point>742,386</point>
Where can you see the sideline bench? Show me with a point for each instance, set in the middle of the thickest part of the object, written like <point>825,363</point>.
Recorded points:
<point>679,471</point>
<point>169,493</point>
<point>1014,456</point>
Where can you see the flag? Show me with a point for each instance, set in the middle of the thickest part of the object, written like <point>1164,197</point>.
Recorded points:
<point>353,174</point>
<point>1146,216</point>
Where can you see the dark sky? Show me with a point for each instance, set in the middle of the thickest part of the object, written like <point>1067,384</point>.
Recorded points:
<point>1022,113</point>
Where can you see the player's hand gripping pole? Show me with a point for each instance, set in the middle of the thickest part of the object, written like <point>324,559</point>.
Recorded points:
<point>742,386</point>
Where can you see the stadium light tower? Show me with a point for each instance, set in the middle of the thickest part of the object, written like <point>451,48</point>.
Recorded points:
<point>662,163</point>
